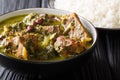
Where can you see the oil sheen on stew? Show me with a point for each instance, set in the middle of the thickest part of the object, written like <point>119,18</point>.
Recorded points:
<point>43,37</point>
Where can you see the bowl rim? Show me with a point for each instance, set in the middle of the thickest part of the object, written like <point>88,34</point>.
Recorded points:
<point>108,29</point>
<point>58,61</point>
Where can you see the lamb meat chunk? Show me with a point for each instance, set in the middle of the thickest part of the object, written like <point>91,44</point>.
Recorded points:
<point>74,28</point>
<point>30,41</point>
<point>66,46</point>
<point>27,44</point>
<point>21,52</point>
<point>46,30</point>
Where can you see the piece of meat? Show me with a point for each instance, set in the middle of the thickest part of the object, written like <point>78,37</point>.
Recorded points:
<point>10,44</point>
<point>18,48</point>
<point>27,44</point>
<point>51,29</point>
<point>74,28</point>
<point>66,46</point>
<point>31,42</point>
<point>21,52</point>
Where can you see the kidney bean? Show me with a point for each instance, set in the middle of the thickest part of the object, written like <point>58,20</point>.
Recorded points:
<point>29,28</point>
<point>40,21</point>
<point>34,24</point>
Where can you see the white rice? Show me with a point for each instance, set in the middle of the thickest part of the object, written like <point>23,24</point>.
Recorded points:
<point>102,13</point>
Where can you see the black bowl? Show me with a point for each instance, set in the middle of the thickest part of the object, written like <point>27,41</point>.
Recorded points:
<point>47,68</point>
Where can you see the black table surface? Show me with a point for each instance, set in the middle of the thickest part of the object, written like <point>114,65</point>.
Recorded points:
<point>103,65</point>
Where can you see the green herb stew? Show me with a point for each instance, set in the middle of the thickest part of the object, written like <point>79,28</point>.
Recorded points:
<point>43,37</point>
